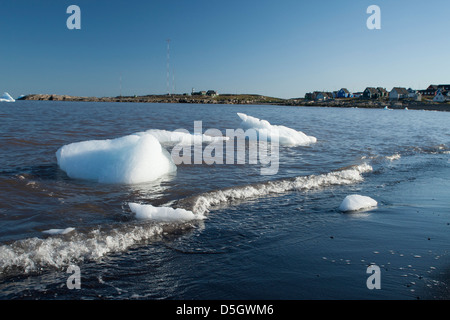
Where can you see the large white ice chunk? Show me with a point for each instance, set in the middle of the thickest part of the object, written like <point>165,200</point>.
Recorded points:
<point>286,136</point>
<point>356,202</point>
<point>130,159</point>
<point>6,98</point>
<point>165,214</point>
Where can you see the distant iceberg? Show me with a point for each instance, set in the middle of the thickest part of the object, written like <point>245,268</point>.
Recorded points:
<point>6,98</point>
<point>286,136</point>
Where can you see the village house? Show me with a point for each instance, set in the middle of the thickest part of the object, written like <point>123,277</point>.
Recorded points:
<point>441,96</point>
<point>398,93</point>
<point>344,93</point>
<point>323,96</point>
<point>371,93</point>
<point>383,93</point>
<point>212,93</point>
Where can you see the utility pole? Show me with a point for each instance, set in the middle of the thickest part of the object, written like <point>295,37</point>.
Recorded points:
<point>120,85</point>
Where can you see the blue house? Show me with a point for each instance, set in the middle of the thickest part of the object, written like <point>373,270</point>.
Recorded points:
<point>344,93</point>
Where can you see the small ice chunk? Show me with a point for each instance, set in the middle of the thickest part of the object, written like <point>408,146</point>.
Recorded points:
<point>162,214</point>
<point>58,231</point>
<point>356,202</point>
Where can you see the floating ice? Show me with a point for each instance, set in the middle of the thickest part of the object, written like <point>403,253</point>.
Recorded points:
<point>130,159</point>
<point>180,137</point>
<point>58,231</point>
<point>6,98</point>
<point>166,214</point>
<point>286,136</point>
<point>356,202</point>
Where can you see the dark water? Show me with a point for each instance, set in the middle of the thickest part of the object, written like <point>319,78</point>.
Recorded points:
<point>291,243</point>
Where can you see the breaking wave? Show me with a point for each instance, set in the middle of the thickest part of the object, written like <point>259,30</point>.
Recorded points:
<point>34,254</point>
<point>203,203</point>
<point>63,248</point>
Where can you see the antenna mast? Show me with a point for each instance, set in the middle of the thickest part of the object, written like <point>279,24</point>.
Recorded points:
<point>168,66</point>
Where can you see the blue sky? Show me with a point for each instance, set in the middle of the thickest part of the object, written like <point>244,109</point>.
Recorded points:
<point>279,48</point>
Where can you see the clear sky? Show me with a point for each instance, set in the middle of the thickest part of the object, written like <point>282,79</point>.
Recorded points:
<point>281,48</point>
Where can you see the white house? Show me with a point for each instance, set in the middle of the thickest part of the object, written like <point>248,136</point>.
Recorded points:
<point>440,97</point>
<point>398,94</point>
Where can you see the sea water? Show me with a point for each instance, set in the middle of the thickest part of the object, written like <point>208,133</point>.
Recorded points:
<point>224,231</point>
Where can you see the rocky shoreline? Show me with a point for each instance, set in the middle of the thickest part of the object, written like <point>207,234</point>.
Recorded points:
<point>248,99</point>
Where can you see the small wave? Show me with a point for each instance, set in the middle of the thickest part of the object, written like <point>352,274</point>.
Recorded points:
<point>34,254</point>
<point>202,203</point>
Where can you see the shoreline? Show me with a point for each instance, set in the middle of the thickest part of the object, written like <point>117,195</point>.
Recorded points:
<point>251,99</point>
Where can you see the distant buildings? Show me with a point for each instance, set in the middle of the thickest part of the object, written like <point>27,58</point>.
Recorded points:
<point>210,93</point>
<point>439,93</point>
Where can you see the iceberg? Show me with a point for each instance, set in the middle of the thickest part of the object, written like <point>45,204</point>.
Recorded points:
<point>132,159</point>
<point>356,202</point>
<point>6,98</point>
<point>162,214</point>
<point>286,136</point>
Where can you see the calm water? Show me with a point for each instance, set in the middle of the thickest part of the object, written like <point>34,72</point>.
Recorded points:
<point>292,243</point>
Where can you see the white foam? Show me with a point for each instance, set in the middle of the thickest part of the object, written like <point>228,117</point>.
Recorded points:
<point>58,231</point>
<point>181,137</point>
<point>201,204</point>
<point>6,98</point>
<point>130,159</point>
<point>286,136</point>
<point>33,254</point>
<point>357,202</point>
<point>166,214</point>
<point>393,157</point>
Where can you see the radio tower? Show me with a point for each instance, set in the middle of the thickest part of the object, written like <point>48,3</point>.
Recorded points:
<point>168,66</point>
